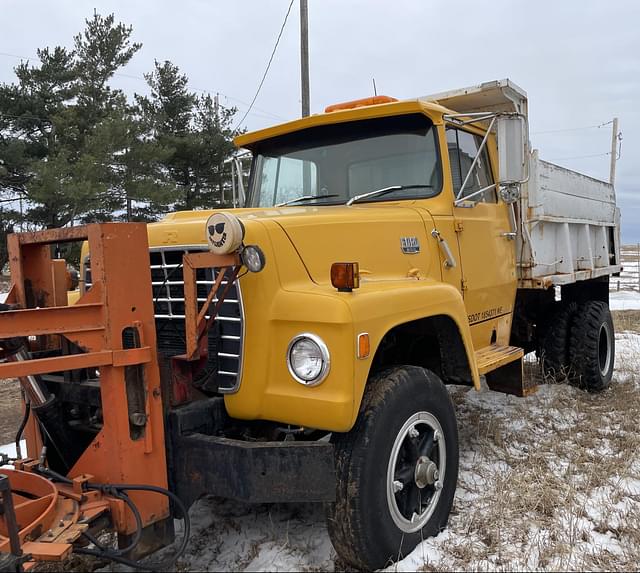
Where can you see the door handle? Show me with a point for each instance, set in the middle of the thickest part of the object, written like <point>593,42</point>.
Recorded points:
<point>511,235</point>
<point>449,261</point>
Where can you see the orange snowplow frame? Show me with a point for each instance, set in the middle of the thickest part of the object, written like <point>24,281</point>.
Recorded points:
<point>119,300</point>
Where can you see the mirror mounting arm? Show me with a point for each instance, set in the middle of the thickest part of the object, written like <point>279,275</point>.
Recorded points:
<point>461,200</point>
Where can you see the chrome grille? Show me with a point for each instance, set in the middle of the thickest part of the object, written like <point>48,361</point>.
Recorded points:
<point>225,339</point>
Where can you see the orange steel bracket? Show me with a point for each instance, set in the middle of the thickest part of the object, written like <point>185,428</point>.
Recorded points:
<point>196,322</point>
<point>120,299</point>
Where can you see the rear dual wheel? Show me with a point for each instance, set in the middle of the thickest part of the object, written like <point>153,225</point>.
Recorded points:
<point>554,356</point>
<point>579,346</point>
<point>592,347</point>
<point>396,469</point>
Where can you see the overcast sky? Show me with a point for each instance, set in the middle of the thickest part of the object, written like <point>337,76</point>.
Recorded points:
<point>579,61</point>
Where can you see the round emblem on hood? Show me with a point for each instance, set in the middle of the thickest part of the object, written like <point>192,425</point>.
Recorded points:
<point>225,233</point>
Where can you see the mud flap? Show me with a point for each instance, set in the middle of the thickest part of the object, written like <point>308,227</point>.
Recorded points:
<point>509,379</point>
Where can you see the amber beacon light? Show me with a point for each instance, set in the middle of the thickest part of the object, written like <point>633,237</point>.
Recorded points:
<point>345,276</point>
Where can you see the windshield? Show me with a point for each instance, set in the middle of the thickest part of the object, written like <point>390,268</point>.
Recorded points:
<point>328,165</point>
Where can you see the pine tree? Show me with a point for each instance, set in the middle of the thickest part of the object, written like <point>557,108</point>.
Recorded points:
<point>73,149</point>
<point>31,114</point>
<point>131,166</point>
<point>6,227</point>
<point>49,125</point>
<point>197,133</point>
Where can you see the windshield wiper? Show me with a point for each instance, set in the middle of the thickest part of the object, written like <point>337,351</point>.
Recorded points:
<point>304,198</point>
<point>386,190</point>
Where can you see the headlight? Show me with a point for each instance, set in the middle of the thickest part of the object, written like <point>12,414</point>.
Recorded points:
<point>253,258</point>
<point>308,359</point>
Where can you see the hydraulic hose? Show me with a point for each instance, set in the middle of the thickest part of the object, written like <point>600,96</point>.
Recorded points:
<point>23,424</point>
<point>115,555</point>
<point>47,410</point>
<point>119,491</point>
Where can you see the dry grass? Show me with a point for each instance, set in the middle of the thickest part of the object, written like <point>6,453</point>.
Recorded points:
<point>626,320</point>
<point>547,482</point>
<point>10,410</point>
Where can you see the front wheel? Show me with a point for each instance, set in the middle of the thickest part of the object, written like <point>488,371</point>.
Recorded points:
<point>397,469</point>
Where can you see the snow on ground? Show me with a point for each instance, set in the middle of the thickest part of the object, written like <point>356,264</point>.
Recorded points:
<point>10,449</point>
<point>624,300</point>
<point>548,482</point>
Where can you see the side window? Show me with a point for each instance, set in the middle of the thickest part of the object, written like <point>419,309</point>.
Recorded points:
<point>463,148</point>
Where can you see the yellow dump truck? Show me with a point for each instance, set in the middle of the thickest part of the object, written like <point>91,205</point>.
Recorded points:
<point>387,249</point>
<point>406,245</point>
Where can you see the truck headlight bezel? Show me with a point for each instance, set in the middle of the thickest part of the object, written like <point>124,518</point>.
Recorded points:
<point>314,344</point>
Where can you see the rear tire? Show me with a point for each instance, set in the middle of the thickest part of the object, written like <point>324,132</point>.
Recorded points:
<point>592,347</point>
<point>554,355</point>
<point>397,469</point>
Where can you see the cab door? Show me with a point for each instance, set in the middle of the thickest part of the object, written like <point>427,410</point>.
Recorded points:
<point>486,246</point>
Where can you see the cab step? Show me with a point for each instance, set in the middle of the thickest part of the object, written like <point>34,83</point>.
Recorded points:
<point>492,357</point>
<point>502,368</point>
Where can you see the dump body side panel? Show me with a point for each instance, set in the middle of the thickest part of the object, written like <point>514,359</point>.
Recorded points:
<point>570,228</point>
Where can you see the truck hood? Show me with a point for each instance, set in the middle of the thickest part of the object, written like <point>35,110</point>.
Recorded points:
<point>371,235</point>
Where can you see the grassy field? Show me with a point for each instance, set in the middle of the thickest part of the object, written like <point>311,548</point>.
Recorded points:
<point>626,320</point>
<point>551,482</point>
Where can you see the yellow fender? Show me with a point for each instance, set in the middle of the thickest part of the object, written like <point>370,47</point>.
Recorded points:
<point>377,308</point>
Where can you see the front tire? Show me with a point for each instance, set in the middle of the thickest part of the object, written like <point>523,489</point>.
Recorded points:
<point>396,469</point>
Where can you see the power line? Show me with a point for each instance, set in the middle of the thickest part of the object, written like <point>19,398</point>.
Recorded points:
<point>264,76</point>
<point>572,128</point>
<point>580,156</point>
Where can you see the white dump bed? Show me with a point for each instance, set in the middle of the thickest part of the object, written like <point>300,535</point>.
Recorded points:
<point>567,223</point>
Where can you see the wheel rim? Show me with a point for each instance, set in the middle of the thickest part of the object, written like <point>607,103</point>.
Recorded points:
<point>416,471</point>
<point>604,349</point>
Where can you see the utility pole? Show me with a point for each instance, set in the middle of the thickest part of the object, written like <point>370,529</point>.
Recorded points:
<point>614,151</point>
<point>304,56</point>
<point>304,84</point>
<point>216,109</point>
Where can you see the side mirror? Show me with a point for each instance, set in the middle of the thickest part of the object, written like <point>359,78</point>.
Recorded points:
<point>513,162</point>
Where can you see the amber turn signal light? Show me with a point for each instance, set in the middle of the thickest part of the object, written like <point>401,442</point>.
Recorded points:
<point>345,276</point>
<point>364,346</point>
